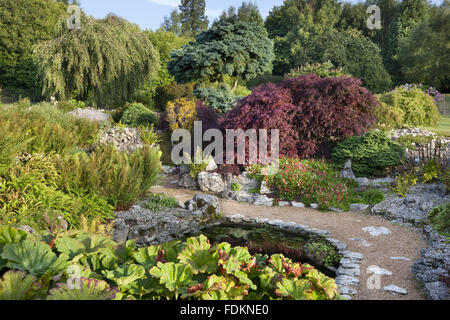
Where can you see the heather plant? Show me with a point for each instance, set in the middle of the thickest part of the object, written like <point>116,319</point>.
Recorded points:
<point>418,108</point>
<point>372,154</point>
<point>181,114</point>
<point>310,181</point>
<point>190,270</point>
<point>137,114</point>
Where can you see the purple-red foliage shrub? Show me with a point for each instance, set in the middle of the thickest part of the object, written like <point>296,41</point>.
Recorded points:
<point>309,111</point>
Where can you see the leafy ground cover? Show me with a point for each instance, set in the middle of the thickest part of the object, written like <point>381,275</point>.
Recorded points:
<point>90,267</point>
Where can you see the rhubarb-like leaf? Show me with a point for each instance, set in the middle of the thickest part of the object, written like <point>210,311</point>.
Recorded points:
<point>18,285</point>
<point>198,256</point>
<point>33,256</point>
<point>86,289</point>
<point>322,283</point>
<point>297,289</point>
<point>174,276</point>
<point>9,235</point>
<point>125,275</point>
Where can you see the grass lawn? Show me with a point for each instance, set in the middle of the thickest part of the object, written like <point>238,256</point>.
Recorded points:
<point>443,126</point>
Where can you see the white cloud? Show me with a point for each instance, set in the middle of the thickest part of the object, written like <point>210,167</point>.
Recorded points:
<point>169,3</point>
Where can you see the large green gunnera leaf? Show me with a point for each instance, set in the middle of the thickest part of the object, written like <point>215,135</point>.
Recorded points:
<point>18,285</point>
<point>34,257</point>
<point>87,289</point>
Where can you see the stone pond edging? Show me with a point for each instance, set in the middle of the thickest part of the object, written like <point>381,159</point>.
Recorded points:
<point>348,271</point>
<point>149,228</point>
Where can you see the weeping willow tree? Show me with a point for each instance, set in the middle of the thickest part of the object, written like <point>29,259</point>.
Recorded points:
<point>104,62</point>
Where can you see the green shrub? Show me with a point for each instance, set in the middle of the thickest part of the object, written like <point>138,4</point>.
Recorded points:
<point>322,70</point>
<point>446,179</point>
<point>310,181</point>
<point>219,98</point>
<point>324,252</point>
<point>119,177</point>
<point>190,270</point>
<point>371,154</point>
<point>403,182</point>
<point>159,202</point>
<point>418,108</point>
<point>172,92</point>
<point>439,219</point>
<point>198,163</point>
<point>430,170</point>
<point>409,140</point>
<point>235,187</point>
<point>389,117</point>
<point>137,114</point>
<point>263,79</point>
<point>371,196</point>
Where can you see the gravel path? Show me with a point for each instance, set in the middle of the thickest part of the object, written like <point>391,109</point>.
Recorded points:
<point>401,242</point>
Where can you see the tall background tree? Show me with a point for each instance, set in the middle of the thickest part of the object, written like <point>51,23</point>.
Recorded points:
<point>24,23</point>
<point>355,54</point>
<point>409,14</point>
<point>193,18</point>
<point>295,23</point>
<point>172,23</point>
<point>241,50</point>
<point>164,42</point>
<point>424,57</point>
<point>103,63</point>
<point>247,12</point>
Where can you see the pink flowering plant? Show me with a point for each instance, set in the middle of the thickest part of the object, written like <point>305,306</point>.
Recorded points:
<point>308,181</point>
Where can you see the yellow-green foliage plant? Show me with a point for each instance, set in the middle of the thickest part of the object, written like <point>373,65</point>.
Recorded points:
<point>418,109</point>
<point>181,114</point>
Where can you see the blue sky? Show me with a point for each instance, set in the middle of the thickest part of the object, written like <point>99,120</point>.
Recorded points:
<point>149,14</point>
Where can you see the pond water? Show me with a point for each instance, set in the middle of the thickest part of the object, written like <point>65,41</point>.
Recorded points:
<point>268,240</point>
